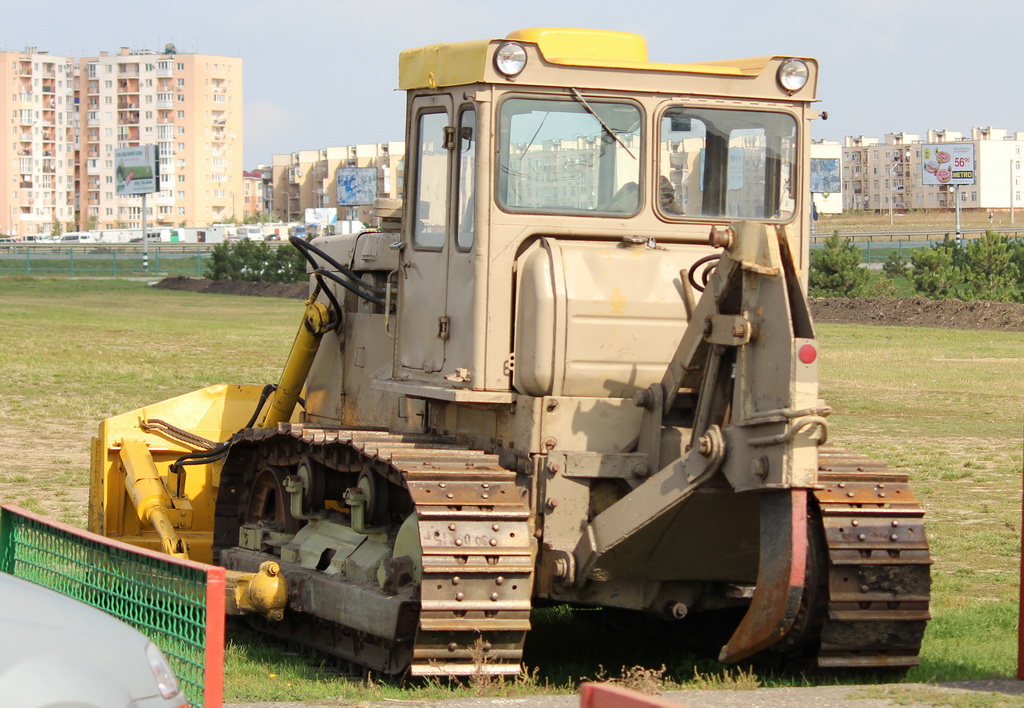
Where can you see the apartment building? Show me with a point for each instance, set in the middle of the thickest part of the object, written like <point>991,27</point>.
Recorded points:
<point>37,160</point>
<point>252,191</point>
<point>190,106</point>
<point>886,175</point>
<point>309,179</point>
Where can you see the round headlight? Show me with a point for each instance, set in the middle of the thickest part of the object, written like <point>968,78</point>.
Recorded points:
<point>793,74</point>
<point>510,59</point>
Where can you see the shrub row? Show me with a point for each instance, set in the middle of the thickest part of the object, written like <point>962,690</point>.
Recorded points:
<point>256,261</point>
<point>987,268</point>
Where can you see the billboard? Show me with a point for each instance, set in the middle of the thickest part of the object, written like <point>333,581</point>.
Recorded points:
<point>948,163</point>
<point>136,170</point>
<point>357,186</point>
<point>321,216</point>
<point>825,177</point>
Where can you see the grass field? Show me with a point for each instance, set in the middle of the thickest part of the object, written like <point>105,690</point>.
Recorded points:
<point>944,405</point>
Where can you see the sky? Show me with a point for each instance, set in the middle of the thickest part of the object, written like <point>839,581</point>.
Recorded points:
<point>323,73</point>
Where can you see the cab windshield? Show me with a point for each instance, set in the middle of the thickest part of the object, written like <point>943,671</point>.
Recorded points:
<point>726,163</point>
<point>576,155</point>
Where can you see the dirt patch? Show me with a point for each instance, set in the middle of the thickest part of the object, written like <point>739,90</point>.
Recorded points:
<point>900,312</point>
<point>299,291</point>
<point>920,312</point>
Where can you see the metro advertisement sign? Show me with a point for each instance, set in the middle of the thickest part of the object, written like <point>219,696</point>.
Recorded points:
<point>948,163</point>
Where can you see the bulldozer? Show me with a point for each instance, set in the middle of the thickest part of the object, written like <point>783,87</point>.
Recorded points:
<point>576,364</point>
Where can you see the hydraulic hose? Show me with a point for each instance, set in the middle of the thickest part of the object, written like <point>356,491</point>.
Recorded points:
<point>358,285</point>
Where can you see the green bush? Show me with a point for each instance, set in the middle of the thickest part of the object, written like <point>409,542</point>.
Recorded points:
<point>836,270</point>
<point>256,261</point>
<point>990,270</point>
<point>933,274</point>
<point>895,266</point>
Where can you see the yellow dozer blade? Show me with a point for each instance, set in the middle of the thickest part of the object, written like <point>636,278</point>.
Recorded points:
<point>134,495</point>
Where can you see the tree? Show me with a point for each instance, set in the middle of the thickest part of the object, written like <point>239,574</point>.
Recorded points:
<point>836,270</point>
<point>260,217</point>
<point>895,265</point>
<point>990,271</point>
<point>256,261</point>
<point>933,274</point>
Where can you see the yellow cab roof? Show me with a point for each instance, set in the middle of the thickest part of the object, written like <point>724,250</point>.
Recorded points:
<point>459,63</point>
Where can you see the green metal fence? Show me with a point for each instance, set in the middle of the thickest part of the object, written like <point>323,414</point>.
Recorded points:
<point>178,604</point>
<point>105,261</point>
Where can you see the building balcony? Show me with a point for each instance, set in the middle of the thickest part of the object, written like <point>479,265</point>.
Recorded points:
<point>165,73</point>
<point>164,105</point>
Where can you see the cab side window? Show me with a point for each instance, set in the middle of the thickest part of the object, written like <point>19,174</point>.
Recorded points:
<point>431,211</point>
<point>467,180</point>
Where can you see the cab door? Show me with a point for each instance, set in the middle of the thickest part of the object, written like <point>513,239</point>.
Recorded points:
<point>423,322</point>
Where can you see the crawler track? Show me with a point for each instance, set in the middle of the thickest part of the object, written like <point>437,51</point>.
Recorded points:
<point>878,581</point>
<point>474,531</point>
<point>868,611</point>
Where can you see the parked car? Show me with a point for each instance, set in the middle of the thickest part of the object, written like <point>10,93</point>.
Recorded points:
<point>77,237</point>
<point>253,233</point>
<point>58,651</point>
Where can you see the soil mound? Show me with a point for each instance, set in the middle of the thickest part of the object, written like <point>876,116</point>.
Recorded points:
<point>920,312</point>
<point>899,312</point>
<point>299,291</point>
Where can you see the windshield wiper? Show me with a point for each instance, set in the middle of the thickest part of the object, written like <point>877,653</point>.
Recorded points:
<point>579,97</point>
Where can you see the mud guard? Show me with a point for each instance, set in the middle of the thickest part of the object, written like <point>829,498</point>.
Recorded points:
<point>781,575</point>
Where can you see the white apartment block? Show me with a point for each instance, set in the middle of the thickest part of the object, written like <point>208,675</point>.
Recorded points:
<point>879,175</point>
<point>66,116</point>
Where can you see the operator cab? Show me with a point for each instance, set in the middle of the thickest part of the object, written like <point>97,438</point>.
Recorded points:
<point>572,142</point>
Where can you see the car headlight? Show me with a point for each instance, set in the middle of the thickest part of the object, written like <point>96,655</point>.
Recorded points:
<point>166,683</point>
<point>793,74</point>
<point>510,59</point>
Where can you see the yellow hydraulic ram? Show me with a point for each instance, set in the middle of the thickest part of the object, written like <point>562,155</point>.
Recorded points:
<point>316,321</point>
<point>148,494</point>
<point>263,592</point>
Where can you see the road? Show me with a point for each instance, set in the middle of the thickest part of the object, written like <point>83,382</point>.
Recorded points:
<point>968,694</point>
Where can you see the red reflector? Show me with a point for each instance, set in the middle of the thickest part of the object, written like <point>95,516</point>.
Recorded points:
<point>808,353</point>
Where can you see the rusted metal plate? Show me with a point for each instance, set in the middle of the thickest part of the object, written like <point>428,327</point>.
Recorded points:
<point>780,577</point>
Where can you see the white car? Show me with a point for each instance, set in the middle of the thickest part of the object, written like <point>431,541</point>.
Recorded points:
<point>57,651</point>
